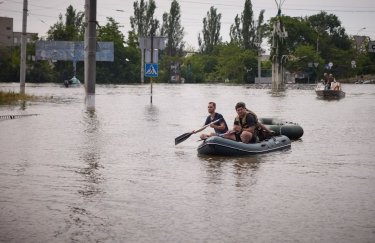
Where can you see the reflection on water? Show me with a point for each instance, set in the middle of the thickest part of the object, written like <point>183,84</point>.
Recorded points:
<point>82,218</point>
<point>151,113</point>
<point>242,168</point>
<point>91,150</point>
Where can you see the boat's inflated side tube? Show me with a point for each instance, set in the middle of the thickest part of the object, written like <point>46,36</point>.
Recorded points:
<point>292,130</point>
<point>216,145</point>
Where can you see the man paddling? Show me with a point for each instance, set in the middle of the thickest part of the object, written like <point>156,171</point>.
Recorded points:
<point>220,127</point>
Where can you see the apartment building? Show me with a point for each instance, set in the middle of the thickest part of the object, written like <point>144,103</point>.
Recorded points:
<point>10,38</point>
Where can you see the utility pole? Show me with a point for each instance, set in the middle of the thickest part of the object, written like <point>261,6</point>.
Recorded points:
<point>278,37</point>
<point>90,53</point>
<point>142,66</point>
<point>259,55</point>
<point>152,61</point>
<point>23,49</point>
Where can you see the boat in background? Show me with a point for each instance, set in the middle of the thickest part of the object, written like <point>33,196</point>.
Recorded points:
<point>73,82</point>
<point>334,93</point>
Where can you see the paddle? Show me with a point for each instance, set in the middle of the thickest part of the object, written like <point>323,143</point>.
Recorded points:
<point>185,136</point>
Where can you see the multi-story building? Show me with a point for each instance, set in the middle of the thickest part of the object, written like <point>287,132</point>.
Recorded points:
<point>17,38</point>
<point>6,31</point>
<point>10,38</point>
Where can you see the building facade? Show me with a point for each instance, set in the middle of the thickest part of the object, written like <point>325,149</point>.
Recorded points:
<point>10,38</point>
<point>6,31</point>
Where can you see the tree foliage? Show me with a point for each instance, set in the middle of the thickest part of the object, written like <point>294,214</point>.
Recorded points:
<point>317,39</point>
<point>71,30</point>
<point>210,32</point>
<point>228,62</point>
<point>324,35</point>
<point>235,32</point>
<point>173,30</point>
<point>247,32</point>
<point>143,22</point>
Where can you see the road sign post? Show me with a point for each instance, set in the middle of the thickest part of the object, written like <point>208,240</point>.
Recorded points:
<point>151,45</point>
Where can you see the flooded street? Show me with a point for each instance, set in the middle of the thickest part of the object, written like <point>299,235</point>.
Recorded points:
<point>115,175</point>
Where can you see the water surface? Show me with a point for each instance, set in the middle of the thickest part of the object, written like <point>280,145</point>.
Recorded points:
<point>115,175</point>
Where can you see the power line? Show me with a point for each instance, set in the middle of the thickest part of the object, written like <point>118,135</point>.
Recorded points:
<point>330,10</point>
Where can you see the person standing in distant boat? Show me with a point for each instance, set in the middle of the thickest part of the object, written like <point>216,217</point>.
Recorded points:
<point>220,127</point>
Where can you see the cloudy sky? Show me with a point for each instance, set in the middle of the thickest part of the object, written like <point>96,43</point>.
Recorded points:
<point>355,15</point>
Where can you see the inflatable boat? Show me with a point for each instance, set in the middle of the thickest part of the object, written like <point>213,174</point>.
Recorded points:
<point>217,145</point>
<point>292,130</point>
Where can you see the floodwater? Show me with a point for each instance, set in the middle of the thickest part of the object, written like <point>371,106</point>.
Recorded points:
<point>115,175</point>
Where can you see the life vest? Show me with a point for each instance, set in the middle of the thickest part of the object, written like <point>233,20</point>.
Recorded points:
<point>242,121</point>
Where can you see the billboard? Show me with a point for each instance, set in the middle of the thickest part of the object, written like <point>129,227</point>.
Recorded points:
<point>71,51</point>
<point>371,46</point>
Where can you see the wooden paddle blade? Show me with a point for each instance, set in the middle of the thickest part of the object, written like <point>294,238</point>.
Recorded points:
<point>182,138</point>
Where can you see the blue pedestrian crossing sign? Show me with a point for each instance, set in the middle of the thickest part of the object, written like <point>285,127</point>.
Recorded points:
<point>151,70</point>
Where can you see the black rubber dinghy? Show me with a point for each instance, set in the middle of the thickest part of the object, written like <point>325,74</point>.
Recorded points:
<point>216,145</point>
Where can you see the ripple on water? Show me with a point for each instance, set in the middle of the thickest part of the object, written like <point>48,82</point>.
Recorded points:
<point>115,175</point>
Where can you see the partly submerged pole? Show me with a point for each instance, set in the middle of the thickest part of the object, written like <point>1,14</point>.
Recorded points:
<point>279,34</point>
<point>23,49</point>
<point>90,53</point>
<point>152,61</point>
<point>259,55</point>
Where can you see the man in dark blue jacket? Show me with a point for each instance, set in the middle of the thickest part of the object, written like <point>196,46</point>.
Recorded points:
<point>220,127</point>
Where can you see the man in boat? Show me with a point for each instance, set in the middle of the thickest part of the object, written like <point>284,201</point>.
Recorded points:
<point>220,127</point>
<point>331,79</point>
<point>325,78</point>
<point>246,125</point>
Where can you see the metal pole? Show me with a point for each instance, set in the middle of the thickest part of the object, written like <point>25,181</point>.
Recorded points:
<point>90,53</point>
<point>74,68</point>
<point>152,61</point>
<point>23,49</point>
<point>259,56</point>
<point>142,65</point>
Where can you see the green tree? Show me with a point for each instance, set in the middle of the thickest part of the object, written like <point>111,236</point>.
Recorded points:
<point>251,34</point>
<point>143,22</point>
<point>248,29</point>
<point>210,32</point>
<point>235,32</point>
<point>235,64</point>
<point>71,30</point>
<point>173,30</point>
<point>123,68</point>
<point>299,32</point>
<point>9,71</point>
<point>227,62</point>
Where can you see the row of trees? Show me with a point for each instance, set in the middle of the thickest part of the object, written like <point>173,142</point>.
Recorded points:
<point>317,39</point>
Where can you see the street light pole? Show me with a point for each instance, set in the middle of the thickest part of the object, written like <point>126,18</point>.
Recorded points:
<point>363,28</point>
<point>23,49</point>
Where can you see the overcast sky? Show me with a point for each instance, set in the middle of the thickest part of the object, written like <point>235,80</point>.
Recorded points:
<point>353,14</point>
